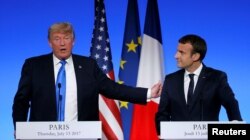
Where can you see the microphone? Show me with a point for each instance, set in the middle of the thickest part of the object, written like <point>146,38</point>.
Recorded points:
<point>59,87</point>
<point>201,102</point>
<point>201,105</point>
<point>59,99</point>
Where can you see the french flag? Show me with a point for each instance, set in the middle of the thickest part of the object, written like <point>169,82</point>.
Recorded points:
<point>151,71</point>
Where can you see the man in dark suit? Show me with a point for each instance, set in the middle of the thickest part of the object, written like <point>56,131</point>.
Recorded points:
<point>84,81</point>
<point>209,91</point>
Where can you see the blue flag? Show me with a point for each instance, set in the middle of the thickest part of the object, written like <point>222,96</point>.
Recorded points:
<point>129,63</point>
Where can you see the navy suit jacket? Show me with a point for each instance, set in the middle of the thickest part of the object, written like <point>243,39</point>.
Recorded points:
<point>36,90</point>
<point>212,90</point>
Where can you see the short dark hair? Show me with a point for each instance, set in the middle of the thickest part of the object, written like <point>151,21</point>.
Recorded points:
<point>198,43</point>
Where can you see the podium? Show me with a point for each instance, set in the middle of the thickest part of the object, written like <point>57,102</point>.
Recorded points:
<point>81,130</point>
<point>183,130</point>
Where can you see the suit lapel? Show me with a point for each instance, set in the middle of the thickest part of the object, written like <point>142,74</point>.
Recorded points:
<point>80,77</point>
<point>199,87</point>
<point>180,87</point>
<point>78,71</point>
<point>47,71</point>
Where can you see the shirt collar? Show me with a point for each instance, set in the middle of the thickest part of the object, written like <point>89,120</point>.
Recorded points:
<point>57,61</point>
<point>196,72</point>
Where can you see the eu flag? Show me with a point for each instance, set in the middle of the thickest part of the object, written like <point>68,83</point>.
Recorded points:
<point>129,62</point>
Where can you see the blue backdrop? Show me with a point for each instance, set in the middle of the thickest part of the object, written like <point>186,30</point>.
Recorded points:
<point>224,24</point>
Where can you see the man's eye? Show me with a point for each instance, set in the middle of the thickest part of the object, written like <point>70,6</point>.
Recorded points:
<point>68,37</point>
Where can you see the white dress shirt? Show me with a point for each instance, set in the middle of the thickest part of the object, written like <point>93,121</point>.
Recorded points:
<point>71,88</point>
<point>187,79</point>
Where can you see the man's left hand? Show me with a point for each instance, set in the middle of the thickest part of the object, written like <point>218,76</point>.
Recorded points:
<point>156,90</point>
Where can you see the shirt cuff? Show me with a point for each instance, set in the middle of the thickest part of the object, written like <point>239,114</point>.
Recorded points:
<point>148,95</point>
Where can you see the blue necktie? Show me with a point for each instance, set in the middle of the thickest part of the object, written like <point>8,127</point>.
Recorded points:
<point>60,91</point>
<point>190,89</point>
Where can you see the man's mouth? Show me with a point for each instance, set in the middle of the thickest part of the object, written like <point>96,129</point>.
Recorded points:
<point>62,49</point>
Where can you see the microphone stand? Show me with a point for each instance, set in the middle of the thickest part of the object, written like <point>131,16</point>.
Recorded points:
<point>59,101</point>
<point>201,105</point>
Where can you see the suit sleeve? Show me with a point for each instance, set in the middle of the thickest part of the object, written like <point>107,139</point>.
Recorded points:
<point>228,99</point>
<point>21,104</point>
<point>113,90</point>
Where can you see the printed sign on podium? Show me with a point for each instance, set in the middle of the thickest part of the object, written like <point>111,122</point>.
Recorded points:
<point>58,130</point>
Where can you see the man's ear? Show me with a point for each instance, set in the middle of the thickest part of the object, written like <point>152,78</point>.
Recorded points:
<point>49,43</point>
<point>196,56</point>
